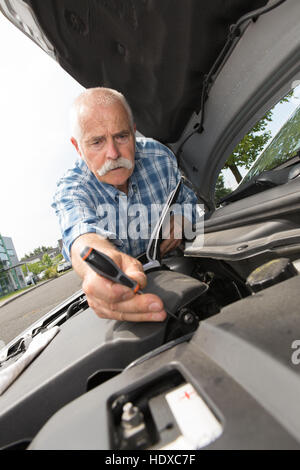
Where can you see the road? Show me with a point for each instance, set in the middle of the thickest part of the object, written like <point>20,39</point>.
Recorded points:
<point>21,312</point>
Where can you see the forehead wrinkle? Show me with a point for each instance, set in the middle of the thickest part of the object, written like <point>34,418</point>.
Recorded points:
<point>96,97</point>
<point>96,122</point>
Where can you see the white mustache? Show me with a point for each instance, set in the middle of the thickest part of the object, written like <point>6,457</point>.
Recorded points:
<point>113,164</point>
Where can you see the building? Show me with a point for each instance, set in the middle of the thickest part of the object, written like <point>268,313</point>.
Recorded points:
<point>60,244</point>
<point>11,275</point>
<point>37,257</point>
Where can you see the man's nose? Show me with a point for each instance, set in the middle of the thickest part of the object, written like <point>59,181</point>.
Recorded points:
<point>112,150</point>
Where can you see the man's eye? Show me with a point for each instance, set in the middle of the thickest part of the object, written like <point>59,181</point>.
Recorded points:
<point>97,142</point>
<point>122,138</point>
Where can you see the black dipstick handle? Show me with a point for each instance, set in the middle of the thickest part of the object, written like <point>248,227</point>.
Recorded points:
<point>107,268</point>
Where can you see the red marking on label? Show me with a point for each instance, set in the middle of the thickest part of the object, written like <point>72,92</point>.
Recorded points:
<point>187,395</point>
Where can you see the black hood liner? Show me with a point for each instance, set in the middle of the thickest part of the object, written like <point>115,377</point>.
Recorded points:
<point>156,52</point>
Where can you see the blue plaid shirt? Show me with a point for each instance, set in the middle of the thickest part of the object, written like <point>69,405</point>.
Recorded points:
<point>85,205</point>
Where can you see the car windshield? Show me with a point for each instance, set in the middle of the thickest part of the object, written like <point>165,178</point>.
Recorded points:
<point>284,146</point>
<point>269,144</point>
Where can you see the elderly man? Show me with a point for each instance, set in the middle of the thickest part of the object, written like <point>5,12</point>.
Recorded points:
<point>113,166</point>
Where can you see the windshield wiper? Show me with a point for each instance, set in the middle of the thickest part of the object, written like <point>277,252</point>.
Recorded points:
<point>265,180</point>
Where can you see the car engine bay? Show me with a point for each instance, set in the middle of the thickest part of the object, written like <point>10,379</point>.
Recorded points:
<point>200,296</point>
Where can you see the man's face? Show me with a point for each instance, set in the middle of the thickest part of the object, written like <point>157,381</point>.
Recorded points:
<point>107,144</point>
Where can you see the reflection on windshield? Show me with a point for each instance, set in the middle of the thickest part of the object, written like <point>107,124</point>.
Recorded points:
<point>272,140</point>
<point>284,146</point>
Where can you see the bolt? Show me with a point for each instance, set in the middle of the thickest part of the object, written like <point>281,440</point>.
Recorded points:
<point>131,415</point>
<point>188,318</point>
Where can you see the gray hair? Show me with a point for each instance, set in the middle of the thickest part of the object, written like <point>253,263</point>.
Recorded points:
<point>95,97</point>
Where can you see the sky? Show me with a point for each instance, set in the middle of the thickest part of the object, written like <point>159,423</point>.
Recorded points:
<point>35,98</point>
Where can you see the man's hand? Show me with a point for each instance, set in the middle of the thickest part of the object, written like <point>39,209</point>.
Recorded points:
<point>111,300</point>
<point>172,234</point>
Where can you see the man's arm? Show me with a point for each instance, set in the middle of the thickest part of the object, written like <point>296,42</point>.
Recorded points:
<point>111,300</point>
<point>172,234</point>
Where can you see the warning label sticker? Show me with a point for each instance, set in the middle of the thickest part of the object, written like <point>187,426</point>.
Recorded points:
<point>198,424</point>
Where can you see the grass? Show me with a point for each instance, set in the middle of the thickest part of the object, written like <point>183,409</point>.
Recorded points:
<point>11,294</point>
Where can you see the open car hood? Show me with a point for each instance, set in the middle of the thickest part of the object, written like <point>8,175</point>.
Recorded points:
<point>159,54</point>
<point>155,52</point>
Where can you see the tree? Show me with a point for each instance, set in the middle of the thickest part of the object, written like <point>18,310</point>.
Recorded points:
<point>220,190</point>
<point>285,145</point>
<point>37,251</point>
<point>46,260</point>
<point>57,258</point>
<point>249,148</point>
<point>34,268</point>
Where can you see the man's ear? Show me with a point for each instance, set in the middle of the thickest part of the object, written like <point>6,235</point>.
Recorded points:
<point>75,143</point>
